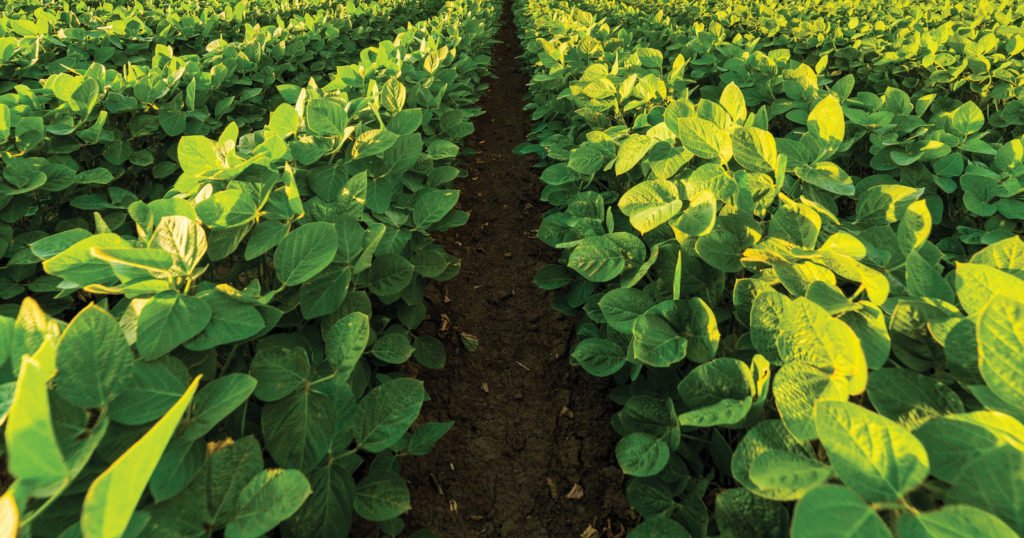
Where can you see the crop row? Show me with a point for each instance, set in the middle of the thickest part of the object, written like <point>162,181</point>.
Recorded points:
<point>805,280</point>
<point>191,304</point>
<point>85,128</point>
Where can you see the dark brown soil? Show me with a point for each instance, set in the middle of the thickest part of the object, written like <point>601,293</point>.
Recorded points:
<point>532,450</point>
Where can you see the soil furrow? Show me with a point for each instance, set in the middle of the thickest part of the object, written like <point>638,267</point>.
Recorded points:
<point>531,453</point>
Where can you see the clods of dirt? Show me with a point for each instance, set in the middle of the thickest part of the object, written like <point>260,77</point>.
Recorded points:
<point>532,451</point>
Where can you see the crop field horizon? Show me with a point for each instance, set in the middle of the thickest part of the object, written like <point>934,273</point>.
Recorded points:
<point>529,268</point>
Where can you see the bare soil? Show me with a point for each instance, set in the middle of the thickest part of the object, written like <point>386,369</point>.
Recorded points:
<point>532,451</point>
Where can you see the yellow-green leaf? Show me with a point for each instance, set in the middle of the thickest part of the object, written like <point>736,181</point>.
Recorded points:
<point>112,497</point>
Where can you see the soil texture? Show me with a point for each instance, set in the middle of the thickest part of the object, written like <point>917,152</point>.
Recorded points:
<point>532,451</point>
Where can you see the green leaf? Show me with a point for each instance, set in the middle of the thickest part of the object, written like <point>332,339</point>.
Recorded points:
<point>432,205</point>
<point>699,218</point>
<point>284,120</point>
<point>346,341</point>
<point>641,454</point>
<point>796,388</point>
<point>763,437</point>
<point>32,452</point>
<point>586,160</point>
<point>631,151</point>
<point>183,237</point>
<point>883,204</point>
<point>167,320</point>
<point>968,119</point>
<point>826,121</point>
<point>995,484</point>
<point>659,527</point>
<point>324,293</point>
<point>599,357</point>
<point>152,388</point>
<point>92,359</point>
<point>705,139</point>
<point>1001,347</point>
<point>328,511</point>
<point>215,401</point>
<point>977,284</point>
<point>909,397</point>
<point>393,348</point>
<point>622,306</point>
<point>953,521</point>
<point>733,102</point>
<point>279,371</point>
<point>228,470</point>
<point>954,442</point>
<point>829,177</point>
<point>782,470</point>
<point>305,252</point>
<point>227,209</point>
<point>198,154</point>
<point>390,274</point>
<point>373,142</point>
<point>874,456</point>
<point>326,117</point>
<point>298,429</point>
<point>665,160</point>
<point>725,412</point>
<point>382,495</point>
<point>755,149</point>
<point>739,512</point>
<point>915,227</point>
<point>650,204</point>
<point>430,351</point>
<point>265,236</point>
<point>230,321</point>
<point>386,412</point>
<point>835,511</point>
<point>112,497</point>
<point>598,259</point>
<point>809,335</point>
<point>77,263</point>
<point>426,436</point>
<point>552,277</point>
<point>1006,255</point>
<point>269,498</point>
<point>720,379</point>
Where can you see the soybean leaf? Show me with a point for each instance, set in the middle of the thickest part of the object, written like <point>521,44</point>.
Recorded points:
<point>346,341</point>
<point>642,454</point>
<point>33,454</point>
<point>386,412</point>
<point>305,252</point>
<point>92,359</point>
<point>976,485</point>
<point>152,388</point>
<point>298,429</point>
<point>279,372</point>
<point>270,497</point>
<point>426,436</point>
<point>167,320</point>
<point>953,521</point>
<point>381,495</point>
<point>112,497</point>
<point>831,510</point>
<point>215,401</point>
<point>1000,348</point>
<point>874,456</point>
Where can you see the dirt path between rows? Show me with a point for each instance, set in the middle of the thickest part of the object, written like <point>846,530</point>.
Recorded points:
<point>532,451</point>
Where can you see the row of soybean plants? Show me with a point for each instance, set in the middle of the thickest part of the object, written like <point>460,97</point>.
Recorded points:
<point>209,296</point>
<point>809,296</point>
<point>967,50</point>
<point>94,103</point>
